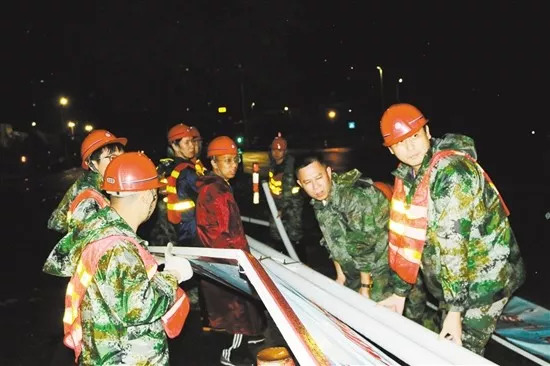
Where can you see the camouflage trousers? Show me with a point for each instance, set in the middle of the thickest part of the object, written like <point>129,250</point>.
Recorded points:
<point>478,324</point>
<point>292,221</point>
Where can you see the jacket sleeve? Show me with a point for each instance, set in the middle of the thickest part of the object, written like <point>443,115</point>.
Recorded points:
<point>133,297</point>
<point>58,218</point>
<point>367,213</point>
<point>455,191</point>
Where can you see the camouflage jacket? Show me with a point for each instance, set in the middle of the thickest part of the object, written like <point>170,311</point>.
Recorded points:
<point>58,220</point>
<point>354,224</point>
<point>471,257</point>
<point>121,310</point>
<point>287,199</point>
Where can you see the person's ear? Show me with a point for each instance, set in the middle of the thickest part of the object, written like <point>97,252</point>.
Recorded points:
<point>428,132</point>
<point>329,171</point>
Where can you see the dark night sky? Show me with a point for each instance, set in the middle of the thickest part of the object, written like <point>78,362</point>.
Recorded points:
<point>126,65</point>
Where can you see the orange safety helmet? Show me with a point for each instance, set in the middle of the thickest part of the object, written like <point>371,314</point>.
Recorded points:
<point>96,140</point>
<point>195,133</point>
<point>222,145</point>
<point>399,122</point>
<point>179,131</point>
<point>279,143</point>
<point>130,172</point>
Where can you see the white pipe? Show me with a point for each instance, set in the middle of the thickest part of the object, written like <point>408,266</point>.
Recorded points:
<point>293,337</point>
<point>400,336</point>
<point>255,221</point>
<point>279,223</point>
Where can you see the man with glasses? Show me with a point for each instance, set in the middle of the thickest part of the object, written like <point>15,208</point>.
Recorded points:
<point>85,196</point>
<point>219,226</point>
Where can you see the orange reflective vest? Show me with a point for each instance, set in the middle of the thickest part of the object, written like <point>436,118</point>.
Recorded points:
<point>409,222</point>
<point>172,321</point>
<point>175,206</point>
<point>385,188</point>
<point>84,195</point>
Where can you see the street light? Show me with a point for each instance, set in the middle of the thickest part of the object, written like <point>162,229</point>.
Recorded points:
<point>71,125</point>
<point>63,101</point>
<point>285,108</point>
<point>331,114</point>
<point>399,81</point>
<point>381,72</point>
<point>33,124</point>
<point>88,128</point>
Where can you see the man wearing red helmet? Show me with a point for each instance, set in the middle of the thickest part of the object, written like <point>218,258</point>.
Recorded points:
<point>448,221</point>
<point>84,197</point>
<point>219,225</point>
<point>286,194</point>
<point>119,309</point>
<point>176,217</point>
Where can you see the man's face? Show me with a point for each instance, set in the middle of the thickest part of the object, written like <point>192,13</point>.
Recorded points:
<point>185,148</point>
<point>316,180</point>
<point>412,150</point>
<point>104,160</point>
<point>278,155</point>
<point>226,165</point>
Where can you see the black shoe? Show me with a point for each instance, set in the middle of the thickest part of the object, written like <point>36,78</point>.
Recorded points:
<point>238,354</point>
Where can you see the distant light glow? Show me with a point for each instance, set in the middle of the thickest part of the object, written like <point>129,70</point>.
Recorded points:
<point>349,110</point>
<point>63,101</point>
<point>285,108</point>
<point>71,124</point>
<point>331,114</point>
<point>533,132</point>
<point>33,124</point>
<point>222,109</point>
<point>23,159</point>
<point>88,128</point>
<point>400,80</point>
<point>351,125</point>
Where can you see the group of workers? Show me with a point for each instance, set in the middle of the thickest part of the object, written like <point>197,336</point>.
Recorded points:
<point>442,218</point>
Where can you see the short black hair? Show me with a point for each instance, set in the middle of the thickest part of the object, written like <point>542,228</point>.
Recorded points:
<point>110,148</point>
<point>308,160</point>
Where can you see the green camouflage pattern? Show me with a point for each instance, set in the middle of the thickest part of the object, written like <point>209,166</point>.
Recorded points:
<point>58,220</point>
<point>354,223</point>
<point>471,258</point>
<point>122,308</point>
<point>291,205</point>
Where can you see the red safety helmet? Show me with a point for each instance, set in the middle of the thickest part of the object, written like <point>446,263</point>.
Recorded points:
<point>279,143</point>
<point>195,133</point>
<point>222,145</point>
<point>96,140</point>
<point>400,121</point>
<point>130,172</point>
<point>179,131</point>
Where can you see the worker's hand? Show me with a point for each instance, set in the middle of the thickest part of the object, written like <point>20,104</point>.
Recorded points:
<point>452,328</point>
<point>395,303</point>
<point>180,267</point>
<point>340,278</point>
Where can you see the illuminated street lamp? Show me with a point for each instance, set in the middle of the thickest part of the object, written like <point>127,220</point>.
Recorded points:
<point>88,128</point>
<point>71,125</point>
<point>222,109</point>
<point>381,72</point>
<point>399,81</point>
<point>33,124</point>
<point>285,109</point>
<point>63,101</point>
<point>331,114</point>
<point>23,159</point>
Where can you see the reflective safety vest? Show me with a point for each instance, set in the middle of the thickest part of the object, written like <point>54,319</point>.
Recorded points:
<point>84,195</point>
<point>385,188</point>
<point>175,206</point>
<point>409,222</point>
<point>172,321</point>
<point>276,185</point>
<point>199,168</point>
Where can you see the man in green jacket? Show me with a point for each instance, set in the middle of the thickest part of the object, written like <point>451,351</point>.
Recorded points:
<point>353,218</point>
<point>84,197</point>
<point>449,222</point>
<point>113,308</point>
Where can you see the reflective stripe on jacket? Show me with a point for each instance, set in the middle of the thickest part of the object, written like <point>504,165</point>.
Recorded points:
<point>172,321</point>
<point>409,221</point>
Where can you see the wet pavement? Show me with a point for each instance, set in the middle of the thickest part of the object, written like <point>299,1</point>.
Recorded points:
<point>31,302</point>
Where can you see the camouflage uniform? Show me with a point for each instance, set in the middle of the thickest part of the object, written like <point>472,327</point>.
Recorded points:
<point>59,221</point>
<point>121,310</point>
<point>290,204</point>
<point>471,261</point>
<point>354,223</point>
